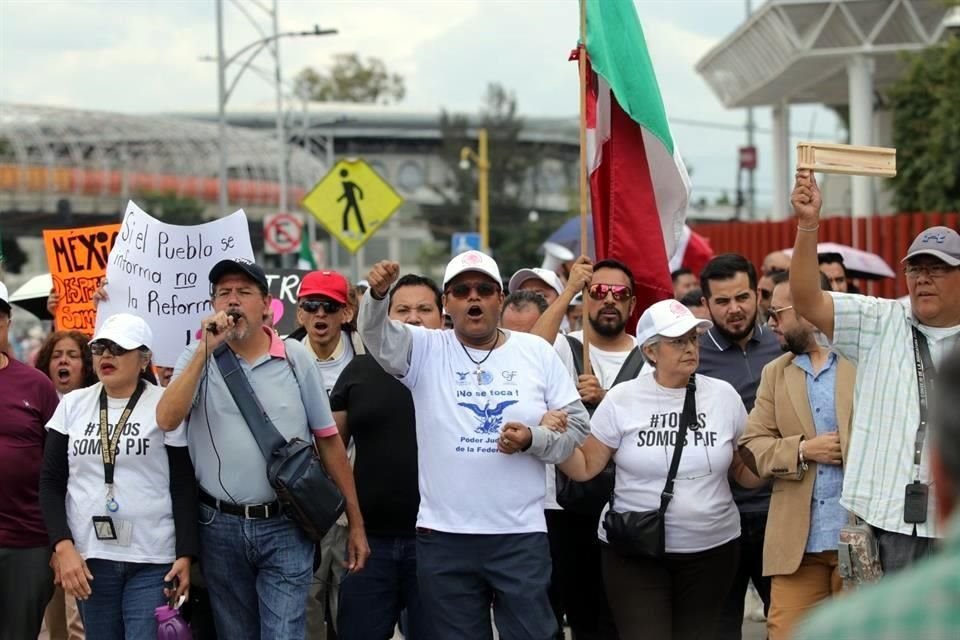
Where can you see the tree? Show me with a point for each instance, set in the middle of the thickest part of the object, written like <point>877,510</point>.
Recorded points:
<point>926,130</point>
<point>350,80</point>
<point>171,208</point>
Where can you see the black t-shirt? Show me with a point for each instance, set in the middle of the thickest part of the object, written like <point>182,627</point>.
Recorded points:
<point>382,423</point>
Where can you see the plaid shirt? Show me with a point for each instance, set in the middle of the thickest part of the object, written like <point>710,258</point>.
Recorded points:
<point>920,602</point>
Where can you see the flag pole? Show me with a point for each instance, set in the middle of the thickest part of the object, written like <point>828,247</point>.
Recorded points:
<point>582,63</point>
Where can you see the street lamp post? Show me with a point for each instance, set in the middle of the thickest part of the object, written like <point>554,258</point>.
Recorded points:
<point>224,91</point>
<point>482,159</point>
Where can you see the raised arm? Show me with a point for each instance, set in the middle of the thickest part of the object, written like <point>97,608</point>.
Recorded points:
<point>809,300</point>
<point>548,325</point>
<point>390,343</point>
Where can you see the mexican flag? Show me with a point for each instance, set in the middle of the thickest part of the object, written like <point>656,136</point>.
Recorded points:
<point>639,187</point>
<point>306,259</point>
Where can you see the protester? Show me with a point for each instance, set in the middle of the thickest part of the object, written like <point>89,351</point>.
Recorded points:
<point>680,594</point>
<point>764,292</point>
<point>121,527</point>
<point>65,358</point>
<point>575,313</point>
<point>543,281</point>
<point>684,281</point>
<point>831,265</point>
<point>890,345</point>
<point>257,563</point>
<point>480,393</point>
<point>775,261</point>
<point>27,401</point>
<point>921,602</point>
<point>521,310</point>
<point>735,350</point>
<point>386,477</point>
<point>693,300</point>
<point>798,434</point>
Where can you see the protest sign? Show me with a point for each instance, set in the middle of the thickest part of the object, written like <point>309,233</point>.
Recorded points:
<point>77,259</point>
<point>283,286</point>
<point>159,272</point>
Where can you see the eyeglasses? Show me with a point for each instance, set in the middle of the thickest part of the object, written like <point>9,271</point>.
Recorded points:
<point>462,291</point>
<point>328,306</point>
<point>599,291</point>
<point>99,347</point>
<point>765,294</point>
<point>776,312</point>
<point>683,341</point>
<point>938,270</point>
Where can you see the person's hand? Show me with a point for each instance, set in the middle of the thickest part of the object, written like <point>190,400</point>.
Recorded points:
<point>74,574</point>
<point>101,293</point>
<point>555,421</point>
<point>358,550</point>
<point>222,323</point>
<point>55,567</point>
<point>590,389</point>
<point>806,199</point>
<point>824,449</point>
<point>382,276</point>
<point>179,574</point>
<point>514,437</point>
<point>580,274</point>
<point>53,299</point>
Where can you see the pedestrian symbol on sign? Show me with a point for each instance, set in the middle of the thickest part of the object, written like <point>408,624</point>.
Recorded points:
<point>350,191</point>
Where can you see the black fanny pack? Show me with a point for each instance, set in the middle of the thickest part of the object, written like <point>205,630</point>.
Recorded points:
<point>643,533</point>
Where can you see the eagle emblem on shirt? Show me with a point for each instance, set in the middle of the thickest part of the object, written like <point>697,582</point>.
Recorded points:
<point>491,418</point>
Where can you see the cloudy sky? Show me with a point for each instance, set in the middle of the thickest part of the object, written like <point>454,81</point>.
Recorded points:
<point>143,56</point>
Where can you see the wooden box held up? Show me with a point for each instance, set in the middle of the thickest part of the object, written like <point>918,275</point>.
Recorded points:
<point>848,159</point>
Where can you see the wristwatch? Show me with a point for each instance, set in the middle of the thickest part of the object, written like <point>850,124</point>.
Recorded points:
<point>803,463</point>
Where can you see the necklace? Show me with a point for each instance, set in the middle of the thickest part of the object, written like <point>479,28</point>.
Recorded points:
<point>479,371</point>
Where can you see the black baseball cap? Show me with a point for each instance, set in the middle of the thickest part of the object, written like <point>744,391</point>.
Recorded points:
<point>239,265</point>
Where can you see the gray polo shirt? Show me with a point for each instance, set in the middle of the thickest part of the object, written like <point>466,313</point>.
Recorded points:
<point>227,460</point>
<point>720,358</point>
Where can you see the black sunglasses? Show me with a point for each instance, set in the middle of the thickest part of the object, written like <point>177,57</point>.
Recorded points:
<point>483,289</point>
<point>328,306</point>
<point>99,347</point>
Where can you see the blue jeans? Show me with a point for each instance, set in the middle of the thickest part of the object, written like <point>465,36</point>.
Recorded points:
<point>371,601</point>
<point>462,574</point>
<point>122,599</point>
<point>258,573</point>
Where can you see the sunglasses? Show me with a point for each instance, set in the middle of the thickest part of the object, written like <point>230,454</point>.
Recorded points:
<point>100,347</point>
<point>462,291</point>
<point>328,306</point>
<point>620,291</point>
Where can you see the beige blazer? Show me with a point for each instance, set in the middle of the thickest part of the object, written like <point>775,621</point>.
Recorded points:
<point>770,447</point>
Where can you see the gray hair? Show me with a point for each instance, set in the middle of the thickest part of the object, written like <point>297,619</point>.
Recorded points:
<point>945,425</point>
<point>649,342</point>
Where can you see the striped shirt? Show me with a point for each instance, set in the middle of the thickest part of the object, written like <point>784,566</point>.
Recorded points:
<point>876,336</point>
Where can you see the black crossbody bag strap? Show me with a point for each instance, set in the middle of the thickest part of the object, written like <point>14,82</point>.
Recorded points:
<point>259,423</point>
<point>630,368</point>
<point>925,376</point>
<point>687,417</point>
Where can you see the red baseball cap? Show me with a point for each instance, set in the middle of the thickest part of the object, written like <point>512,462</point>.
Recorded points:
<point>324,283</point>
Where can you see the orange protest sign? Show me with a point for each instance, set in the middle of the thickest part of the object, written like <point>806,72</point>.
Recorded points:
<point>77,259</point>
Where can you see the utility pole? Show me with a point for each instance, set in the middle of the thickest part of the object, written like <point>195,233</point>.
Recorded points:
<point>751,185</point>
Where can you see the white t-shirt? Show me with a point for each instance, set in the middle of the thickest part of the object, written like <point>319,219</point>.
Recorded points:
<point>330,370</point>
<point>941,340</point>
<point>638,418</point>
<point>606,367</point>
<point>141,475</point>
<point>466,486</point>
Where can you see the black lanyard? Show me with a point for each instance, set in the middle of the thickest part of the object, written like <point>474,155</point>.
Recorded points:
<point>108,441</point>
<point>925,375</point>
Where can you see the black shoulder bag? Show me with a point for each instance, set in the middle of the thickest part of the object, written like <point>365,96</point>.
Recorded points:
<point>642,533</point>
<point>587,498</point>
<point>294,470</point>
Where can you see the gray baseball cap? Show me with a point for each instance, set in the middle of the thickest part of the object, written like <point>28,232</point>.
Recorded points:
<point>940,242</point>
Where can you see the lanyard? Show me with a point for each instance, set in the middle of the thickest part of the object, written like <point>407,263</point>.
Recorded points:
<point>109,442</point>
<point>925,375</point>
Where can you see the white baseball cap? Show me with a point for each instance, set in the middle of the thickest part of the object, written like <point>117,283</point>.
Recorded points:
<point>126,330</point>
<point>472,261</point>
<point>670,319</point>
<point>521,276</point>
<point>4,298</point>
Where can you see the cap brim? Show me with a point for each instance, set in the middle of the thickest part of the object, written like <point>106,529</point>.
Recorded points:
<point>940,255</point>
<point>520,277</point>
<point>684,326</point>
<point>121,341</point>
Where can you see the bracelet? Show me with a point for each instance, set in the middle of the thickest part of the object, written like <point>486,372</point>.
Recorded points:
<point>803,463</point>
<point>808,229</point>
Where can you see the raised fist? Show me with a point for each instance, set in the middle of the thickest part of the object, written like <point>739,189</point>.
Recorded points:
<point>382,276</point>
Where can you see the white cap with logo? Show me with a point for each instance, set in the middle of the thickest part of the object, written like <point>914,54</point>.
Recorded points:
<point>670,319</point>
<point>549,277</point>
<point>472,261</point>
<point>126,330</point>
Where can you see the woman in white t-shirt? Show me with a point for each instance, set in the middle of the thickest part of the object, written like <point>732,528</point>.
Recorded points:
<point>123,526</point>
<point>637,423</point>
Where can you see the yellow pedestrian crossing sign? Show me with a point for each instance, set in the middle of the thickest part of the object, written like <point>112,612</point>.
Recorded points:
<point>352,202</point>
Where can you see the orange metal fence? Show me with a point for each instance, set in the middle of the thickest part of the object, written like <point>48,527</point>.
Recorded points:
<point>887,236</point>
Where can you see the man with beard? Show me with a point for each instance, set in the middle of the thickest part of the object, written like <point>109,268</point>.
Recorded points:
<point>798,434</point>
<point>577,587</point>
<point>257,564</point>
<point>736,350</point>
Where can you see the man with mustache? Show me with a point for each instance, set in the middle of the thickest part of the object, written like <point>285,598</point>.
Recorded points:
<point>897,351</point>
<point>736,350</point>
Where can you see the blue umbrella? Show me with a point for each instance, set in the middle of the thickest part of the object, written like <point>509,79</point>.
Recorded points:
<point>568,235</point>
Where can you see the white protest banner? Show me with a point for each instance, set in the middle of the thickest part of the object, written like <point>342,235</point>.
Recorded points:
<point>159,272</point>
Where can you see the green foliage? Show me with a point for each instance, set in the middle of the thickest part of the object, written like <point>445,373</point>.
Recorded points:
<point>171,208</point>
<point>350,80</point>
<point>926,130</point>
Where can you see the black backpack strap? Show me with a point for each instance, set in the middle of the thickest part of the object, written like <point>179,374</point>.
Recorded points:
<point>577,348</point>
<point>630,368</point>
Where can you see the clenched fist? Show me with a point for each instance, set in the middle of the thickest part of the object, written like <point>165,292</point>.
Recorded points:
<point>806,199</point>
<point>382,276</point>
